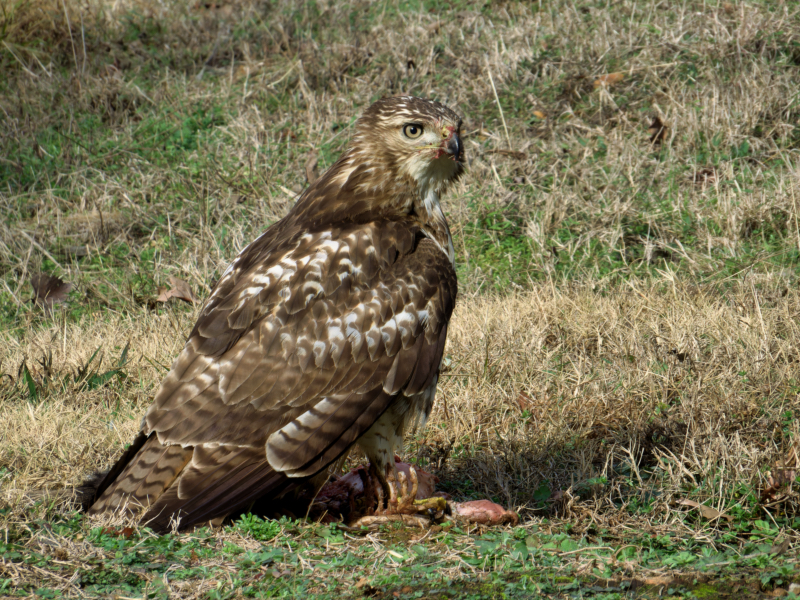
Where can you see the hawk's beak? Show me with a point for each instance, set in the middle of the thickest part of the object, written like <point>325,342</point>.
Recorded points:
<point>454,147</point>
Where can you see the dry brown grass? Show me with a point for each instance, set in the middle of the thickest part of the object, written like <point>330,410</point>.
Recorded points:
<point>664,387</point>
<point>681,381</point>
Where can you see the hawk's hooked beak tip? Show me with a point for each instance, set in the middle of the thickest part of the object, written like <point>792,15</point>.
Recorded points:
<point>454,147</point>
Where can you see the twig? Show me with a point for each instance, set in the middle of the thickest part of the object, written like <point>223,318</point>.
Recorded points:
<point>794,204</point>
<point>556,550</point>
<point>500,108</point>
<point>39,246</point>
<point>284,76</point>
<point>211,56</point>
<point>19,60</point>
<point>735,560</point>
<point>496,176</point>
<point>69,27</point>
<point>83,42</point>
<point>645,67</point>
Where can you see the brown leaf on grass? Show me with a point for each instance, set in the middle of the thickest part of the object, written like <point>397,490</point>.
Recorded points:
<point>524,401</point>
<point>124,532</point>
<point>708,512</point>
<point>49,290</point>
<point>657,130</point>
<point>779,485</point>
<point>539,114</point>
<point>781,547</point>
<point>178,289</point>
<point>608,80</point>
<point>311,166</point>
<point>780,479</point>
<point>286,134</point>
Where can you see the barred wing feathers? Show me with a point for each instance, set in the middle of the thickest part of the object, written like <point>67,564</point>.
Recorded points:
<point>304,343</point>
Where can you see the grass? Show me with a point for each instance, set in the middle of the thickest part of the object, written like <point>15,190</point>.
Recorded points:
<point>626,336</point>
<point>284,559</point>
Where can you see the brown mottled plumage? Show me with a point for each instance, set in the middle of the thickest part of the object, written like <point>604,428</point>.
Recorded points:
<point>326,331</point>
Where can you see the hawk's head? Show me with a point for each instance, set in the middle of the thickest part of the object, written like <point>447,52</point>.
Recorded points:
<point>417,139</point>
<point>404,154</point>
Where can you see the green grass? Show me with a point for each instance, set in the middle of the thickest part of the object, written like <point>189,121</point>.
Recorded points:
<point>288,559</point>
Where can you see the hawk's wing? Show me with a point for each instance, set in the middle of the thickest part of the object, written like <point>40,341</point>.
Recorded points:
<point>295,355</point>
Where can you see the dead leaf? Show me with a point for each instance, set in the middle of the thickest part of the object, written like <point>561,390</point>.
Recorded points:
<point>780,548</point>
<point>779,485</point>
<point>125,532</point>
<point>286,134</point>
<point>361,583</point>
<point>49,290</point>
<point>524,401</point>
<point>705,176</point>
<point>311,166</point>
<point>407,589</point>
<point>179,289</point>
<point>539,114</point>
<point>657,130</point>
<point>609,79</point>
<point>708,512</point>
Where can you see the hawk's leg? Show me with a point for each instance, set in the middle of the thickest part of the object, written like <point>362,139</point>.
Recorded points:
<point>393,493</point>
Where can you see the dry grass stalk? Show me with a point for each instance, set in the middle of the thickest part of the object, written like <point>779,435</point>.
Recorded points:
<point>665,381</point>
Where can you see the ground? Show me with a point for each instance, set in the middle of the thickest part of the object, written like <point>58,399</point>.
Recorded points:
<point>623,366</point>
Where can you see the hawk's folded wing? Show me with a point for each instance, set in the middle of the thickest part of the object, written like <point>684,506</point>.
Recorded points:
<point>300,348</point>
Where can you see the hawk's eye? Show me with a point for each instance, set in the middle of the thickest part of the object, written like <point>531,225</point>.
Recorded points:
<point>412,130</point>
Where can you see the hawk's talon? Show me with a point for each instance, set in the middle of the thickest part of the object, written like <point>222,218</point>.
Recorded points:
<point>403,496</point>
<point>402,505</point>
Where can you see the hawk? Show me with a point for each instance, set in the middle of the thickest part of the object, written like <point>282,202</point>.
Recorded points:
<point>326,331</point>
